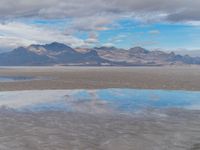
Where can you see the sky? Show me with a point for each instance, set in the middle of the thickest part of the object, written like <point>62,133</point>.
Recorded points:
<point>152,24</point>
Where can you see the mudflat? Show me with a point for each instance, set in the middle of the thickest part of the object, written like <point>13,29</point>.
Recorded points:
<point>178,78</point>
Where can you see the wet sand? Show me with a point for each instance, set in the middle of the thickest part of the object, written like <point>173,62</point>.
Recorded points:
<point>173,78</point>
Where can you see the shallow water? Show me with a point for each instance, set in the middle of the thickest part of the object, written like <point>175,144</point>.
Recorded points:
<point>107,119</point>
<point>20,78</point>
<point>124,100</point>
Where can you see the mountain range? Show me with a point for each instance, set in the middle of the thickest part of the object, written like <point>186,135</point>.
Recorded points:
<point>193,53</point>
<point>60,54</point>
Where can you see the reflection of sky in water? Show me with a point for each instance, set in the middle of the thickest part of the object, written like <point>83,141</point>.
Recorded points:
<point>122,99</point>
<point>12,79</point>
<point>21,78</point>
<point>129,99</point>
<point>55,106</point>
<point>82,95</point>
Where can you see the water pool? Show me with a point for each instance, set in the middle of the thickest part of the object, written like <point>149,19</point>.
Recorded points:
<point>102,99</point>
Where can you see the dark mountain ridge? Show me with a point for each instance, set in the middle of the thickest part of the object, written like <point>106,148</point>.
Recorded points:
<point>49,54</point>
<point>60,54</point>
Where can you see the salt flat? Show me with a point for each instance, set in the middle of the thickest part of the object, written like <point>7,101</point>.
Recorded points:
<point>185,78</point>
<point>72,108</point>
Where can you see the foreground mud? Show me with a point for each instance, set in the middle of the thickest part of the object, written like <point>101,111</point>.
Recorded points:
<point>54,130</point>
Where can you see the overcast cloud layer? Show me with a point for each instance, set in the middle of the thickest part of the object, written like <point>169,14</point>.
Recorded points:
<point>89,16</point>
<point>171,10</point>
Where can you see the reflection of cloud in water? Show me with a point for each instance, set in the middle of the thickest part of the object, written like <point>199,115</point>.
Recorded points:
<point>23,78</point>
<point>154,97</point>
<point>91,106</point>
<point>19,99</point>
<point>93,94</point>
<point>104,100</point>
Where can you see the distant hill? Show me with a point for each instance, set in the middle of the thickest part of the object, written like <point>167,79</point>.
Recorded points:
<point>50,54</point>
<point>192,53</point>
<point>141,56</point>
<point>61,54</point>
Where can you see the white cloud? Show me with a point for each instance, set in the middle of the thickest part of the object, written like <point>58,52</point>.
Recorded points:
<point>93,38</point>
<point>154,32</point>
<point>16,34</point>
<point>92,23</point>
<point>108,44</point>
<point>193,23</point>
